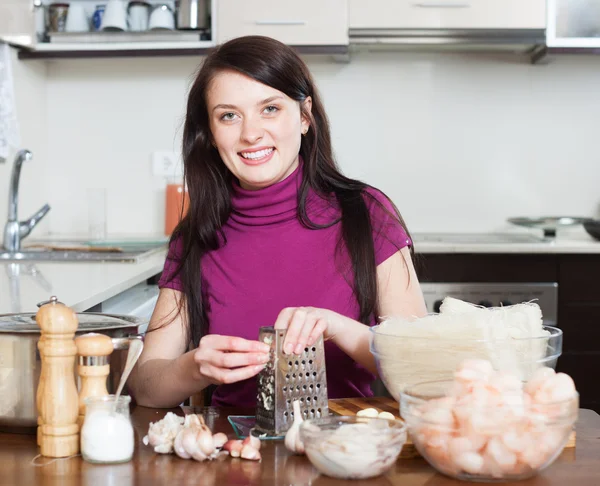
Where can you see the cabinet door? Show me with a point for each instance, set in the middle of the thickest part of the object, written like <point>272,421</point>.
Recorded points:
<point>310,22</point>
<point>17,21</point>
<point>447,14</point>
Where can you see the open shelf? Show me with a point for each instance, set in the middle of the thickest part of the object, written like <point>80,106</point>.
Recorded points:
<point>153,49</point>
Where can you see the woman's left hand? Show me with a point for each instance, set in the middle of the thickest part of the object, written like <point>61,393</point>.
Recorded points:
<point>304,326</point>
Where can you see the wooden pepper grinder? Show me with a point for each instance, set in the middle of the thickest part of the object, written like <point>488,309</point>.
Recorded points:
<point>93,367</point>
<point>58,399</point>
<point>40,391</point>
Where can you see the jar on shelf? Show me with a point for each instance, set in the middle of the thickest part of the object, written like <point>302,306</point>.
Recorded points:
<point>107,433</point>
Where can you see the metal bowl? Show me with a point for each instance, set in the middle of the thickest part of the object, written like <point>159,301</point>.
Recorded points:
<point>549,224</point>
<point>593,228</point>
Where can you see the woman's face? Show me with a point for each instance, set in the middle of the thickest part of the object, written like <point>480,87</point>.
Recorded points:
<point>256,129</point>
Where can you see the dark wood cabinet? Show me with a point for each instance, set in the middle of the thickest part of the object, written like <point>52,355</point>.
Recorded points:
<point>578,278</point>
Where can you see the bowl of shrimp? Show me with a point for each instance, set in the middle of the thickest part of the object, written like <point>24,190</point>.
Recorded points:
<point>488,425</point>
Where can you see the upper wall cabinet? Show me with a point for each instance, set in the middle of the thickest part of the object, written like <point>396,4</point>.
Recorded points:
<point>574,24</point>
<point>447,14</point>
<point>305,23</point>
<point>17,21</point>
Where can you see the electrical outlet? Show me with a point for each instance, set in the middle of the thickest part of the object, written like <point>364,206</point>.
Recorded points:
<point>166,164</point>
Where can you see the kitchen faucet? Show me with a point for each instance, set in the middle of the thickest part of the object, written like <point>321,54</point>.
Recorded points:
<point>15,230</point>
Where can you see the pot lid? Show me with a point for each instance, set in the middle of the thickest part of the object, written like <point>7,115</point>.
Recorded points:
<point>88,322</point>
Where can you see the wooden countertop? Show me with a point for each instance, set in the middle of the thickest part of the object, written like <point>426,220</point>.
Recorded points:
<point>576,467</point>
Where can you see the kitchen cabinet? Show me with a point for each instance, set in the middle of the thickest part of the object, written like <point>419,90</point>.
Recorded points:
<point>18,21</point>
<point>447,14</point>
<point>573,24</point>
<point>578,300</point>
<point>311,22</point>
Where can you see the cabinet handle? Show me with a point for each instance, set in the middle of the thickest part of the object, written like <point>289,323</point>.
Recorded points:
<point>280,22</point>
<point>441,5</point>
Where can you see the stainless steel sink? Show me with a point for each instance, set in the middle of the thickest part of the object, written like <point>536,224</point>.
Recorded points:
<point>128,253</point>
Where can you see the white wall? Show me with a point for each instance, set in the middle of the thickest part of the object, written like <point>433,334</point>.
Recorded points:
<point>460,142</point>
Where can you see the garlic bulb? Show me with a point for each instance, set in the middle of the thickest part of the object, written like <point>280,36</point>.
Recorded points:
<point>161,434</point>
<point>292,437</point>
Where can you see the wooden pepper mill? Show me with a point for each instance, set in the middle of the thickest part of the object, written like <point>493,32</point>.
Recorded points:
<point>93,367</point>
<point>58,400</point>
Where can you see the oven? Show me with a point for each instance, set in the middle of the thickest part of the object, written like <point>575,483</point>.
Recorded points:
<point>492,294</point>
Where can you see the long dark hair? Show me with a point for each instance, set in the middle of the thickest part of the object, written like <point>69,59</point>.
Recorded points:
<point>209,182</point>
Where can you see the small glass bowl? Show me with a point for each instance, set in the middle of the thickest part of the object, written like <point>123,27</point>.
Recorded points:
<point>349,447</point>
<point>467,443</point>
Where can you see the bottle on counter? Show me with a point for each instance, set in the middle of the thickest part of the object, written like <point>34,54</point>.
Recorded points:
<point>176,205</point>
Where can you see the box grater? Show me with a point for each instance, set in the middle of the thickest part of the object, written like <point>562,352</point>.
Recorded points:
<point>287,378</point>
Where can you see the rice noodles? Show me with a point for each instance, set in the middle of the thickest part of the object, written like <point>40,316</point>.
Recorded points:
<point>409,351</point>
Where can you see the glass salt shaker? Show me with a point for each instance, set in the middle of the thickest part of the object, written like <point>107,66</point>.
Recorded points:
<point>107,433</point>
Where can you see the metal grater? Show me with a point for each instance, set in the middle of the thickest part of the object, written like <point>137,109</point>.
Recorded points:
<point>287,378</point>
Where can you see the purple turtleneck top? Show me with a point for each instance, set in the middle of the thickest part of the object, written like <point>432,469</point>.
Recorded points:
<point>270,261</point>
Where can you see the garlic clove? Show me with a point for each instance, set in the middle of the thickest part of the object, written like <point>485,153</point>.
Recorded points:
<point>386,415</point>
<point>198,455</point>
<point>367,412</point>
<point>234,447</point>
<point>252,441</point>
<point>204,440</point>
<point>178,447</point>
<point>249,452</point>
<point>292,437</point>
<point>219,440</point>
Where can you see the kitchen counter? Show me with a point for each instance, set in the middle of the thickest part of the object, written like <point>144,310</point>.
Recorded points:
<point>576,467</point>
<point>573,241</point>
<point>80,285</point>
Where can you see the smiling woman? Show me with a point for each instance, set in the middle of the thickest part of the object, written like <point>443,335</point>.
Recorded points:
<point>275,235</point>
<point>255,128</point>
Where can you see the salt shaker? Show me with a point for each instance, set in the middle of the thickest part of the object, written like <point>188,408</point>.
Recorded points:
<point>58,399</point>
<point>93,367</point>
<point>107,433</point>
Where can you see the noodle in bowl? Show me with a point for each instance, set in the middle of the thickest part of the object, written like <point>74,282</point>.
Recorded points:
<point>431,348</point>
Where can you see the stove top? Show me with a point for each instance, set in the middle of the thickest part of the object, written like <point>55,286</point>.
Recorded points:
<point>478,238</point>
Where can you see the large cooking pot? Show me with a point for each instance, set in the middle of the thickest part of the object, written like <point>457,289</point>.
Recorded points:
<point>20,363</point>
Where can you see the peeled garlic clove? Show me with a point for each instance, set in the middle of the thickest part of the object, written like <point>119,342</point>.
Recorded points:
<point>249,452</point>
<point>219,440</point>
<point>234,447</point>
<point>367,412</point>
<point>292,437</point>
<point>386,415</point>
<point>252,441</point>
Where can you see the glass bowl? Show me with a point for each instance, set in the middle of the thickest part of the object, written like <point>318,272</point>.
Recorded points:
<point>482,443</point>
<point>406,360</point>
<point>352,447</point>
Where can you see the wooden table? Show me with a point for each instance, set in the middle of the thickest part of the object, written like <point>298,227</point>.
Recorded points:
<point>575,467</point>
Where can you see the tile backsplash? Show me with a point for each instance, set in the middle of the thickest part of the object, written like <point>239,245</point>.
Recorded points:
<point>460,142</point>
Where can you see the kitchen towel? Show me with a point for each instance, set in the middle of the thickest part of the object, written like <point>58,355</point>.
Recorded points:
<point>9,129</point>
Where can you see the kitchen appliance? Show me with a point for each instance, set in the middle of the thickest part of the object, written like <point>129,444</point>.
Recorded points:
<point>549,224</point>
<point>545,294</point>
<point>287,378</point>
<point>193,14</point>
<point>20,363</point>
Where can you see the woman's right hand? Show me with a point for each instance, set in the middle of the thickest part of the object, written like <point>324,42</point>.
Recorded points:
<point>228,359</point>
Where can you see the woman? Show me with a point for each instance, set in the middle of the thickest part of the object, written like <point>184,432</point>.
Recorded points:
<point>274,235</point>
